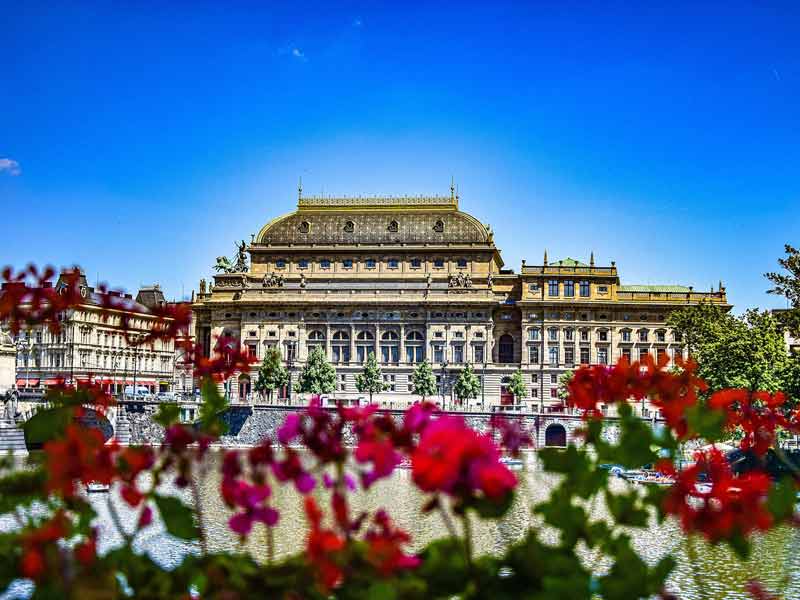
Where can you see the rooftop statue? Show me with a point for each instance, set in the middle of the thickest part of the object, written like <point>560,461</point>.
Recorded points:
<point>239,265</point>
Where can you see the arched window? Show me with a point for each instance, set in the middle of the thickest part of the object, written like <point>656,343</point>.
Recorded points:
<point>365,345</point>
<point>555,435</point>
<point>415,349</point>
<point>340,347</point>
<point>505,353</point>
<point>244,386</point>
<point>390,347</point>
<point>316,339</point>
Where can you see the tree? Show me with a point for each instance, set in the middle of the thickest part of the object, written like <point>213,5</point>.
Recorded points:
<point>370,379</point>
<point>563,382</point>
<point>423,380</point>
<point>517,386</point>
<point>733,352</point>
<point>272,375</point>
<point>789,287</point>
<point>318,375</point>
<point>467,385</point>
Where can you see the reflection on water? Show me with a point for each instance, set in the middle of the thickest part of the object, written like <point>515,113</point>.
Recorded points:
<point>775,554</point>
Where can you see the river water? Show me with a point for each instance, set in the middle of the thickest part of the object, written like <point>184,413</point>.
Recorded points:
<point>775,556</point>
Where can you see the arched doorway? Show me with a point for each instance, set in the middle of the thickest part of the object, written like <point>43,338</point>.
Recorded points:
<point>244,387</point>
<point>505,352</point>
<point>555,435</point>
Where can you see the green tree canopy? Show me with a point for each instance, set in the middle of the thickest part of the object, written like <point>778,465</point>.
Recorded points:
<point>423,380</point>
<point>318,375</point>
<point>370,379</point>
<point>272,375</point>
<point>788,285</point>
<point>747,352</point>
<point>517,386</point>
<point>467,385</point>
<point>563,382</point>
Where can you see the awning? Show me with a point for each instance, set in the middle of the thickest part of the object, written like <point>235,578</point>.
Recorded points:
<point>140,382</point>
<point>32,382</point>
<point>54,381</point>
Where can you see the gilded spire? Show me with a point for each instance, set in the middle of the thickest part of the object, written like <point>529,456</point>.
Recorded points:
<point>545,257</point>
<point>300,189</point>
<point>591,259</point>
<point>452,188</point>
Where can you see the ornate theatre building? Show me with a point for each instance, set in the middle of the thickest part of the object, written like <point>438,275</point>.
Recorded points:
<point>413,279</point>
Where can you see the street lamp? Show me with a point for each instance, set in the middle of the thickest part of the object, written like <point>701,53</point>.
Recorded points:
<point>290,348</point>
<point>443,377</point>
<point>26,346</point>
<point>483,384</point>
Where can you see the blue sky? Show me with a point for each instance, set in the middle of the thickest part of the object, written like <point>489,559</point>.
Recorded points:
<point>140,139</point>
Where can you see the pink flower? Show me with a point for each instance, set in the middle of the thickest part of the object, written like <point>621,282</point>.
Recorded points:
<point>290,428</point>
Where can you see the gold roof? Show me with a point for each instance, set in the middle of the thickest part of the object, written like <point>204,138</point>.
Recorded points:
<point>432,220</point>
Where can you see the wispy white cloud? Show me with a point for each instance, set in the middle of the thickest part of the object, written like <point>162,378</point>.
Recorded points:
<point>298,54</point>
<point>9,166</point>
<point>357,22</point>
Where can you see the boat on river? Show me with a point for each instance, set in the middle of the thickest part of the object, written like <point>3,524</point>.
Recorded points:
<point>514,464</point>
<point>645,477</point>
<point>94,487</point>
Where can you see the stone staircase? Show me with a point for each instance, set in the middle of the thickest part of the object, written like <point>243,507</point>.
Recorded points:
<point>12,438</point>
<point>122,432</point>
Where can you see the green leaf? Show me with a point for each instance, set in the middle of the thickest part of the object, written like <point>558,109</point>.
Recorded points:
<point>705,422</point>
<point>492,509</point>
<point>178,518</point>
<point>782,498</point>
<point>381,590</point>
<point>168,413</point>
<point>211,409</point>
<point>740,545</point>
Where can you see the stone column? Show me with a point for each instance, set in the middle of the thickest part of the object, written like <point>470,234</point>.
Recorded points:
<point>402,343</point>
<point>352,342</point>
<point>377,341</point>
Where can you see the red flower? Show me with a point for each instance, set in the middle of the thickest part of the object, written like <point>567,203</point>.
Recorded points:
<point>80,456</point>
<point>226,360</point>
<point>454,459</point>
<point>731,506</point>
<point>321,547</point>
<point>86,551</point>
<point>759,414</point>
<point>36,542</point>
<point>385,546</point>
<point>513,436</point>
<point>757,590</point>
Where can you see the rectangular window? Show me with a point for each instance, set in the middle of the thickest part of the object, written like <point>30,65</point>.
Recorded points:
<point>416,263</point>
<point>438,263</point>
<point>393,263</point>
<point>552,334</point>
<point>643,353</point>
<point>569,356</point>
<point>569,289</point>
<point>438,353</point>
<point>554,356</point>
<point>458,353</point>
<point>552,288</point>
<point>553,378</point>
<point>626,336</point>
<point>661,336</point>
<point>252,350</point>
<point>569,335</point>
<point>533,334</point>
<point>584,335</point>
<point>462,263</point>
<point>325,263</point>
<point>478,353</point>
<point>533,355</point>
<point>534,393</point>
<point>643,335</point>
<point>535,378</point>
<point>661,353</point>
<point>280,263</point>
<point>362,352</point>
<point>584,356</point>
<point>554,393</point>
<point>603,289</point>
<point>302,263</point>
<point>585,290</point>
<point>347,263</point>
<point>370,263</point>
<point>626,352</point>
<point>602,336</point>
<point>602,356</point>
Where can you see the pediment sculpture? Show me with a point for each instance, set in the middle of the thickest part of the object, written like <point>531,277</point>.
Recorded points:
<point>273,280</point>
<point>460,280</point>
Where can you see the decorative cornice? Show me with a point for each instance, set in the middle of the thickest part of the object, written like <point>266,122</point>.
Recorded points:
<point>315,203</point>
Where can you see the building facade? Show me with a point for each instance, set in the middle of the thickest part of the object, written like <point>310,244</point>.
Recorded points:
<point>91,346</point>
<point>414,278</point>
